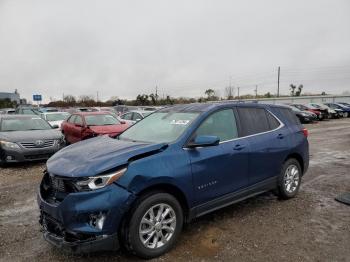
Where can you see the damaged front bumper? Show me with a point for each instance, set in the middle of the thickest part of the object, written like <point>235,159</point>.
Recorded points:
<point>72,225</point>
<point>100,243</point>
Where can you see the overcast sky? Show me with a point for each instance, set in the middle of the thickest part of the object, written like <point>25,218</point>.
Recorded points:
<point>123,48</point>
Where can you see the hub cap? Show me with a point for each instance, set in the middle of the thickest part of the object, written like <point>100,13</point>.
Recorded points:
<point>291,178</point>
<point>157,226</point>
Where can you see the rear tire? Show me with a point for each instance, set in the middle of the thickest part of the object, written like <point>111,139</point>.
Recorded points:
<point>155,224</point>
<point>290,179</point>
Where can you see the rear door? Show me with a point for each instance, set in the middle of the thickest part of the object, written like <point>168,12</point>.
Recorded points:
<point>218,170</point>
<point>268,142</point>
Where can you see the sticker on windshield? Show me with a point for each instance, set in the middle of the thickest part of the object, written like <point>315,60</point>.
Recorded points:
<point>179,122</point>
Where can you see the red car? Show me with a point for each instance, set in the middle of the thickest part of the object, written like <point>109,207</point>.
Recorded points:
<point>83,125</point>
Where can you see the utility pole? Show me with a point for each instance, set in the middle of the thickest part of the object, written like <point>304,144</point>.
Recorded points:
<point>156,94</point>
<point>97,96</point>
<point>256,91</point>
<point>238,92</point>
<point>278,82</point>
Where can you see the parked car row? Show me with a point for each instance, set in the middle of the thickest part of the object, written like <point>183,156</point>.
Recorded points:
<point>37,134</point>
<point>317,111</point>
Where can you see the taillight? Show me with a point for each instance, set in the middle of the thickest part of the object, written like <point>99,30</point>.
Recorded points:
<point>305,132</point>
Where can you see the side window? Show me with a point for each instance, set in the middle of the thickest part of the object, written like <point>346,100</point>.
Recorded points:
<point>136,116</point>
<point>253,120</point>
<point>221,124</point>
<point>71,119</point>
<point>127,116</point>
<point>273,122</point>
<point>78,120</point>
<point>289,116</point>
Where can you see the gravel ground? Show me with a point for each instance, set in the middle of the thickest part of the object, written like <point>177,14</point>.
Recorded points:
<point>310,227</point>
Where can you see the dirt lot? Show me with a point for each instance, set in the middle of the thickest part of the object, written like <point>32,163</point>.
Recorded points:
<point>311,227</point>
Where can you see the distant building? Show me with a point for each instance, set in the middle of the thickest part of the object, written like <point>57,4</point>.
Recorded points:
<point>12,96</point>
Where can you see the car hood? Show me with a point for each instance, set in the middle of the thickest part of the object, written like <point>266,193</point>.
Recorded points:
<point>109,129</point>
<point>97,155</point>
<point>30,135</point>
<point>58,122</point>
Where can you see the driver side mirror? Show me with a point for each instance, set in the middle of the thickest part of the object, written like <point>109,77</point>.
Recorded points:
<point>55,126</point>
<point>122,122</point>
<point>138,119</point>
<point>204,141</point>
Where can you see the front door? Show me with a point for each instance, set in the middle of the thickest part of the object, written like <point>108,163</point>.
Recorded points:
<point>77,128</point>
<point>218,170</point>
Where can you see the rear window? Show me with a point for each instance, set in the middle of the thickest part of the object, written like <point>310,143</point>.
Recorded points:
<point>289,116</point>
<point>253,120</point>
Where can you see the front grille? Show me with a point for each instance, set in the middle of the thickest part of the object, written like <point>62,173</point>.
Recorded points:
<point>51,225</point>
<point>54,189</point>
<point>38,144</point>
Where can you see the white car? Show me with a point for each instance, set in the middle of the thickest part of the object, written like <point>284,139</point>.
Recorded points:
<point>133,116</point>
<point>55,119</point>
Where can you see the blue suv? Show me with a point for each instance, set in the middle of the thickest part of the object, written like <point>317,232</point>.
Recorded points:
<point>177,164</point>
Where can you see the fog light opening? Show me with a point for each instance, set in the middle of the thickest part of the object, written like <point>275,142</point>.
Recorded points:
<point>97,220</point>
<point>10,158</point>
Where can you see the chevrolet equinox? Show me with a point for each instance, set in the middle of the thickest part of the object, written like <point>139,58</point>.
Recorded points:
<point>138,189</point>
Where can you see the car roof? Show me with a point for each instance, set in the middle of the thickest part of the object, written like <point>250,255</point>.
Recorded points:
<point>92,113</point>
<point>58,112</point>
<point>140,111</point>
<point>19,116</point>
<point>203,107</point>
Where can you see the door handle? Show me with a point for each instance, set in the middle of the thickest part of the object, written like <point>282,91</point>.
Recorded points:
<point>280,136</point>
<point>238,147</point>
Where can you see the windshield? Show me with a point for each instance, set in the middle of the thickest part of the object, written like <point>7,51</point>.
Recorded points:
<point>144,114</point>
<point>101,120</point>
<point>159,127</point>
<point>24,124</point>
<point>57,117</point>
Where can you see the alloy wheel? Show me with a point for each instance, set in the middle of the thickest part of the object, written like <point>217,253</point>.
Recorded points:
<point>157,226</point>
<point>291,178</point>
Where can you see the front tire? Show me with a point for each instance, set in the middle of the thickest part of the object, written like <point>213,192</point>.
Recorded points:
<point>290,179</point>
<point>155,224</point>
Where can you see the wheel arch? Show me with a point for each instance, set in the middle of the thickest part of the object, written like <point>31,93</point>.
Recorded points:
<point>170,189</point>
<point>299,158</point>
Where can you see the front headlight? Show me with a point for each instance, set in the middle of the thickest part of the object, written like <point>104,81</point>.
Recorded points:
<point>97,182</point>
<point>304,114</point>
<point>60,141</point>
<point>9,145</point>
